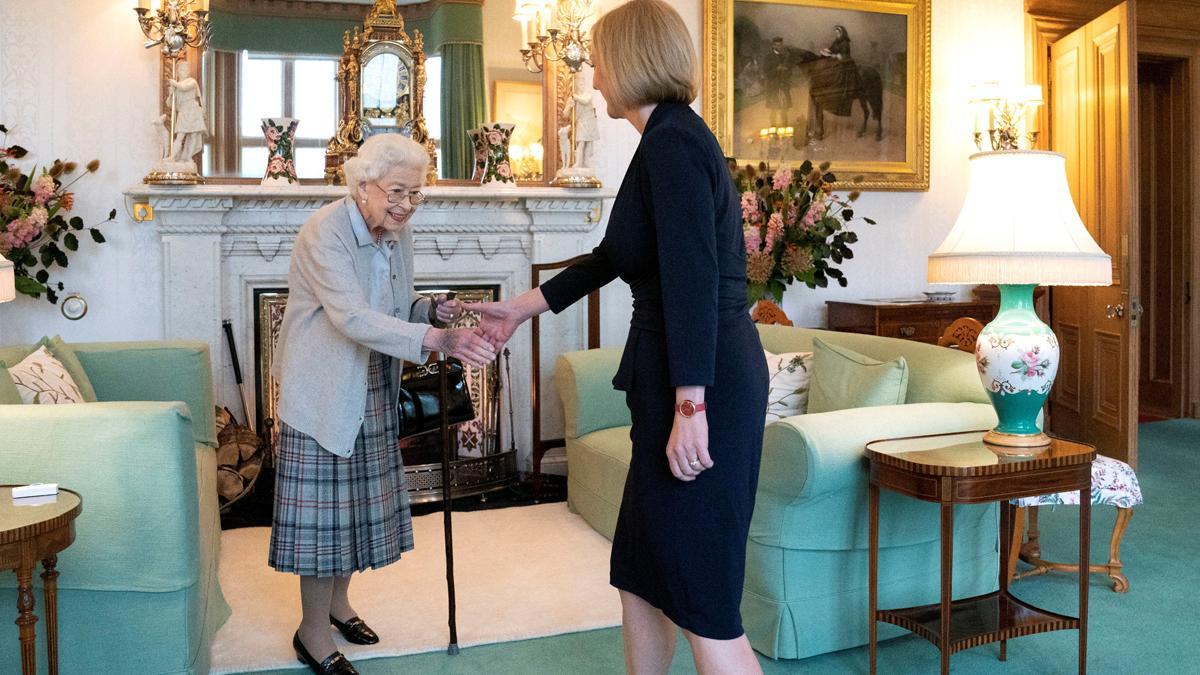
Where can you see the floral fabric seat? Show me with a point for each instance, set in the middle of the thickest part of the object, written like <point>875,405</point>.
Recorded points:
<point>1113,483</point>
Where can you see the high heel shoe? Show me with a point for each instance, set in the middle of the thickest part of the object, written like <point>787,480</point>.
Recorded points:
<point>355,630</point>
<point>334,664</point>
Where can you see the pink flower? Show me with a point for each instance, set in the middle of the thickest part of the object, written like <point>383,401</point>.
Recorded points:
<point>816,211</point>
<point>750,207</point>
<point>275,166</point>
<point>273,133</point>
<point>19,233</point>
<point>504,169</point>
<point>782,178</point>
<point>38,216</point>
<point>774,231</point>
<point>793,212</point>
<point>43,189</point>
<point>290,167</point>
<point>753,239</point>
<point>494,137</point>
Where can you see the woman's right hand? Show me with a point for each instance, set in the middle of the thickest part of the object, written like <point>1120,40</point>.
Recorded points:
<point>464,344</point>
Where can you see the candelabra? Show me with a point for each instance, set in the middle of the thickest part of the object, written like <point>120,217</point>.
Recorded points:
<point>1006,116</point>
<point>174,26</point>
<point>554,31</point>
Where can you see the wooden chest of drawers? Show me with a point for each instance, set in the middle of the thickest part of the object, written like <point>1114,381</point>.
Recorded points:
<point>910,320</point>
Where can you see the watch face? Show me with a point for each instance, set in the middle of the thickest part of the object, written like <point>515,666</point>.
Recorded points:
<point>687,408</point>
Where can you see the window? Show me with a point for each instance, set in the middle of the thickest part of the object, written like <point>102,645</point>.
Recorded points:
<point>272,85</point>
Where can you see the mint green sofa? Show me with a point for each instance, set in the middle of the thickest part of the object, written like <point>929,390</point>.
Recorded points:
<point>805,591</point>
<point>138,591</point>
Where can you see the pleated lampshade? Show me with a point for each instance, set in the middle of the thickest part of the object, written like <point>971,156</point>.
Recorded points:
<point>8,280</point>
<point>1018,225</point>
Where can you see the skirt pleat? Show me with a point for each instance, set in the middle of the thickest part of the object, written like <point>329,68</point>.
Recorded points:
<point>338,515</point>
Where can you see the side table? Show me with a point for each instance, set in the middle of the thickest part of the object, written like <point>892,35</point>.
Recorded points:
<point>33,530</point>
<point>961,469</point>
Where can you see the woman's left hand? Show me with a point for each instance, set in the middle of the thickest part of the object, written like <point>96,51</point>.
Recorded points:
<point>448,311</point>
<point>687,449</point>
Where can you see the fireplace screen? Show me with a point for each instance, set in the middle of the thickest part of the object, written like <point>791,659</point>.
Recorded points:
<point>482,463</point>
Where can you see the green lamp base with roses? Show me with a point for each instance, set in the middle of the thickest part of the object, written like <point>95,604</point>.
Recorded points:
<point>1018,358</point>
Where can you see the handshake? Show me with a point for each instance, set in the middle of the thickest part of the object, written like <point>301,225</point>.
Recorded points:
<point>478,345</point>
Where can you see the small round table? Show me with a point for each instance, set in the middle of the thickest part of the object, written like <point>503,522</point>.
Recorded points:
<point>961,469</point>
<point>34,529</point>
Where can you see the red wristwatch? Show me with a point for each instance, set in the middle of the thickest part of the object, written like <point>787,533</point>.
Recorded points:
<point>688,408</point>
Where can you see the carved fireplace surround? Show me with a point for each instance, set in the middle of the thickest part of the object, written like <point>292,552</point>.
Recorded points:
<point>222,242</point>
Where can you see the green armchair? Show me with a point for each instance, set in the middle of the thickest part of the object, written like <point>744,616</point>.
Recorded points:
<point>805,591</point>
<point>138,591</point>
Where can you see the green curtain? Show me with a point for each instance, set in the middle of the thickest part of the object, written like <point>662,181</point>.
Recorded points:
<point>463,106</point>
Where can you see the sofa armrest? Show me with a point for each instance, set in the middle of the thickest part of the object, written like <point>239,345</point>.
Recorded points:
<point>584,382</point>
<point>134,465</point>
<point>811,455</point>
<point>155,371</point>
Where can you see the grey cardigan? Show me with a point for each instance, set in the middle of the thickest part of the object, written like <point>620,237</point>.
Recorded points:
<point>329,329</point>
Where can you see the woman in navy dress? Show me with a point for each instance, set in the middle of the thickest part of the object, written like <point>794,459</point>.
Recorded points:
<point>693,368</point>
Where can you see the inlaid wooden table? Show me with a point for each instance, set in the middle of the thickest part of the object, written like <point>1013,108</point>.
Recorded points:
<point>961,469</point>
<point>32,530</point>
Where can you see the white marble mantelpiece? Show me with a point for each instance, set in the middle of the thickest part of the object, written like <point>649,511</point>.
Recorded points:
<point>221,242</point>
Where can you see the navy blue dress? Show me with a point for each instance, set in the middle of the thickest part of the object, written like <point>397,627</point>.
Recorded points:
<point>675,237</point>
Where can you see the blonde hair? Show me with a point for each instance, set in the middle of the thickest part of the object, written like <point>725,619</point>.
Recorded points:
<point>646,54</point>
<point>380,154</point>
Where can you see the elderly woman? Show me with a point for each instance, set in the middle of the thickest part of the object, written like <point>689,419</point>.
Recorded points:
<point>352,320</point>
<point>693,370</point>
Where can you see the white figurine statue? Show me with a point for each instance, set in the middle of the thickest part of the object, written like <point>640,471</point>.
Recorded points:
<point>587,128</point>
<point>579,172</point>
<point>189,115</point>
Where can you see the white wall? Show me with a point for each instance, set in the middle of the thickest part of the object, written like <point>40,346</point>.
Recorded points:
<point>94,95</point>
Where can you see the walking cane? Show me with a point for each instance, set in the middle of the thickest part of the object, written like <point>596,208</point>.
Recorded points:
<point>452,649</point>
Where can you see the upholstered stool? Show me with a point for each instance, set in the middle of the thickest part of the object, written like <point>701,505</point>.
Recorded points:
<point>1113,483</point>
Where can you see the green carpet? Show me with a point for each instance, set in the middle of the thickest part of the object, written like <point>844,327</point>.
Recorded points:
<point>1151,629</point>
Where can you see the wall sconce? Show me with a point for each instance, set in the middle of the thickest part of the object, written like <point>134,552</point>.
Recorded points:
<point>1005,116</point>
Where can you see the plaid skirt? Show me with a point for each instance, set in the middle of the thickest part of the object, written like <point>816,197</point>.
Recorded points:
<point>338,515</point>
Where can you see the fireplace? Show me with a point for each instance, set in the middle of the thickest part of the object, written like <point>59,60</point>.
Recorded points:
<point>481,464</point>
<point>220,246</point>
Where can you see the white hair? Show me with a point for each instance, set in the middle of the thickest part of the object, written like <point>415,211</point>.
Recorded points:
<point>382,153</point>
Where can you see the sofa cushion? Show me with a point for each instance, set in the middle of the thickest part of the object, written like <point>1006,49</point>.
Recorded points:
<point>8,391</point>
<point>935,374</point>
<point>843,378</point>
<point>788,381</point>
<point>42,379</point>
<point>63,353</point>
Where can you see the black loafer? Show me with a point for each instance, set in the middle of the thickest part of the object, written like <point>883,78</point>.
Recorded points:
<point>334,664</point>
<point>355,630</point>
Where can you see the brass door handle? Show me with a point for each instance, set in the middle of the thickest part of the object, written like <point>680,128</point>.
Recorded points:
<point>1116,311</point>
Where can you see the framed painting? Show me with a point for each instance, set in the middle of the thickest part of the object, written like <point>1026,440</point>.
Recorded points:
<point>843,81</point>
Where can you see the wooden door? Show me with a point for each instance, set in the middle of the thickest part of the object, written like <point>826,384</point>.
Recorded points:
<point>1164,142</point>
<point>1093,84</point>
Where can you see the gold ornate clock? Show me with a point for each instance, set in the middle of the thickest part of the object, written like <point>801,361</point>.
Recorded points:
<point>381,77</point>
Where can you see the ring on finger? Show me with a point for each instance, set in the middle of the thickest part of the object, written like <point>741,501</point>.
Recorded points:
<point>695,464</point>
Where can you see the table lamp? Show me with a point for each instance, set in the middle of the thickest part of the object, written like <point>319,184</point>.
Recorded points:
<point>8,280</point>
<point>1018,228</point>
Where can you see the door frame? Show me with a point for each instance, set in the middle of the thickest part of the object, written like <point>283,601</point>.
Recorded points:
<point>1181,41</point>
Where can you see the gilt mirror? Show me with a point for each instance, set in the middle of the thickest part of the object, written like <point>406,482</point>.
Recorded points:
<point>279,58</point>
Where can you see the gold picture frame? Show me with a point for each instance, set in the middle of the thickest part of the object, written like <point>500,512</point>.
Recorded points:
<point>759,113</point>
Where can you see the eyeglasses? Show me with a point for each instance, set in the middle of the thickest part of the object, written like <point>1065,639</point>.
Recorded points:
<point>413,197</point>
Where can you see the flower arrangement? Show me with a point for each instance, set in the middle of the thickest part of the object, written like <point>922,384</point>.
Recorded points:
<point>35,233</point>
<point>794,227</point>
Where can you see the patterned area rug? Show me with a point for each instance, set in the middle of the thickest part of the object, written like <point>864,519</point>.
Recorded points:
<point>520,573</point>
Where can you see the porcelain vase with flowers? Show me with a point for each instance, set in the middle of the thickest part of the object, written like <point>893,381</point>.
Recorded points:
<point>280,134</point>
<point>496,138</point>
